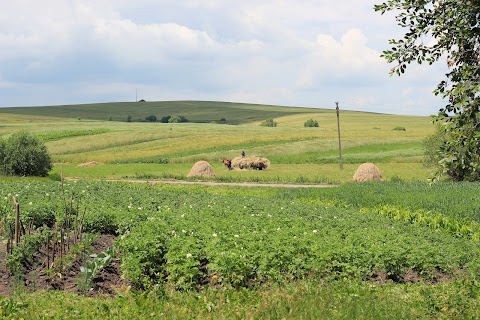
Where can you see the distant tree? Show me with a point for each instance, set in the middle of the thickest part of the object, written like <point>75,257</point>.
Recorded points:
<point>174,119</point>
<point>129,118</point>
<point>269,123</point>
<point>165,119</point>
<point>151,118</point>
<point>110,118</point>
<point>311,123</point>
<point>24,155</point>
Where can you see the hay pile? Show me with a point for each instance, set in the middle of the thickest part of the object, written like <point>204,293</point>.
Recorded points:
<point>254,163</point>
<point>201,169</point>
<point>89,164</point>
<point>367,172</point>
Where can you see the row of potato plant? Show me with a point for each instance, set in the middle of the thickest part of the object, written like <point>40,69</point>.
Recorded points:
<point>194,236</point>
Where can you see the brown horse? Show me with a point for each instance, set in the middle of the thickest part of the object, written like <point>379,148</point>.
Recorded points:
<point>227,163</point>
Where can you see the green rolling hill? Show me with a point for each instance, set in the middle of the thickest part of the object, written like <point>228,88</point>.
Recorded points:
<point>194,111</point>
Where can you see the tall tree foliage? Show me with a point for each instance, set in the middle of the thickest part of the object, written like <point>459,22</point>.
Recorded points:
<point>23,154</point>
<point>445,30</point>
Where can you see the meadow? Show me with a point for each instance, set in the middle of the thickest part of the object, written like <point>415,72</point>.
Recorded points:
<point>397,249</point>
<point>163,150</point>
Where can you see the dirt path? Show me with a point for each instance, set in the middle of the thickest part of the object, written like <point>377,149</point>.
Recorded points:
<point>214,183</point>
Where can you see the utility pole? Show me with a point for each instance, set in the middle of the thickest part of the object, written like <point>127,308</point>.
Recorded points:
<point>339,141</point>
<point>136,95</point>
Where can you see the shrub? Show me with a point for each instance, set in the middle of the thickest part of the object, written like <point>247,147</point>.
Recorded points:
<point>399,129</point>
<point>165,119</point>
<point>151,118</point>
<point>432,145</point>
<point>2,152</point>
<point>24,155</point>
<point>311,123</point>
<point>269,123</point>
<point>174,119</point>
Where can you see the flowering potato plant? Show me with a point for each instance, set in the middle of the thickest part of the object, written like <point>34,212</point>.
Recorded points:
<point>190,237</point>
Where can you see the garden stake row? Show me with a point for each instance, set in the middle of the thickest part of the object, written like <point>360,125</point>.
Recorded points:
<point>17,220</point>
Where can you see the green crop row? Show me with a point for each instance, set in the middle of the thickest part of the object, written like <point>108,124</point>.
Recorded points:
<point>192,237</point>
<point>249,241</point>
<point>58,135</point>
<point>453,199</point>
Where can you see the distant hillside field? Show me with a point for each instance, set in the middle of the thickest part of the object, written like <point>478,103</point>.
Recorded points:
<point>194,111</point>
<point>78,134</point>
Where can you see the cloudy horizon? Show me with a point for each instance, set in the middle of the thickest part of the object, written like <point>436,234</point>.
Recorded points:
<point>295,53</point>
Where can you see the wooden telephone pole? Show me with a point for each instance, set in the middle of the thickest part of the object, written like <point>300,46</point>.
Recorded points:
<point>339,141</point>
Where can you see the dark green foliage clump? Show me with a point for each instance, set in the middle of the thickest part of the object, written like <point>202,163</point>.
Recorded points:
<point>269,123</point>
<point>151,118</point>
<point>310,123</point>
<point>173,119</point>
<point>454,25</point>
<point>24,155</point>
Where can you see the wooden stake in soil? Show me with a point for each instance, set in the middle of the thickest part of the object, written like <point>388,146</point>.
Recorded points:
<point>9,245</point>
<point>48,251</point>
<point>17,220</point>
<point>61,243</point>
<point>54,241</point>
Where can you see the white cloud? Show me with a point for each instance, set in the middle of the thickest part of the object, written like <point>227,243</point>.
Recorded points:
<point>329,60</point>
<point>287,52</point>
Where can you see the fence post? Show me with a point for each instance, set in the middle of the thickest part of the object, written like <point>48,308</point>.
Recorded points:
<point>17,220</point>
<point>339,141</point>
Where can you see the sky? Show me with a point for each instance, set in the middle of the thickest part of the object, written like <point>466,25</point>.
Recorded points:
<point>308,53</point>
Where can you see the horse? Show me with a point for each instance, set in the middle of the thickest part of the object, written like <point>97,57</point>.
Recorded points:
<point>227,163</point>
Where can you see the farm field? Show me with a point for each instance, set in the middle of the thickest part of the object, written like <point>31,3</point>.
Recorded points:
<point>162,150</point>
<point>258,252</point>
<point>397,249</point>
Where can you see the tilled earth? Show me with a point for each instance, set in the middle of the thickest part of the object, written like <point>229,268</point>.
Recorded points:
<point>37,277</point>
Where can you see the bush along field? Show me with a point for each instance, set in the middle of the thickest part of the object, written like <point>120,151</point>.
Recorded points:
<point>220,252</point>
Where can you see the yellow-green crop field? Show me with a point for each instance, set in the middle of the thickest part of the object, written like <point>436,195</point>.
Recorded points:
<point>168,150</point>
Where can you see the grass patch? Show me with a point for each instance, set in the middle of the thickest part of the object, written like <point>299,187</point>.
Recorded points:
<point>194,111</point>
<point>304,300</point>
<point>276,173</point>
<point>51,136</point>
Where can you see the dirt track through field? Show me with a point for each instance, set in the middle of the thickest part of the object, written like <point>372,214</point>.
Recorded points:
<point>213,183</point>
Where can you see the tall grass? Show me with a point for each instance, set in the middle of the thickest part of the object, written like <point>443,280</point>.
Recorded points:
<point>303,300</point>
<point>458,200</point>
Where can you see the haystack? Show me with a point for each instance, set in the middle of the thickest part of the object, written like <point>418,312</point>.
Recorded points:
<point>89,164</point>
<point>367,172</point>
<point>201,169</point>
<point>255,163</point>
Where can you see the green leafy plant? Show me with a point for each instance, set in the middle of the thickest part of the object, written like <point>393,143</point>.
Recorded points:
<point>24,155</point>
<point>311,123</point>
<point>10,308</point>
<point>92,267</point>
<point>151,118</point>
<point>23,252</point>
<point>269,123</point>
